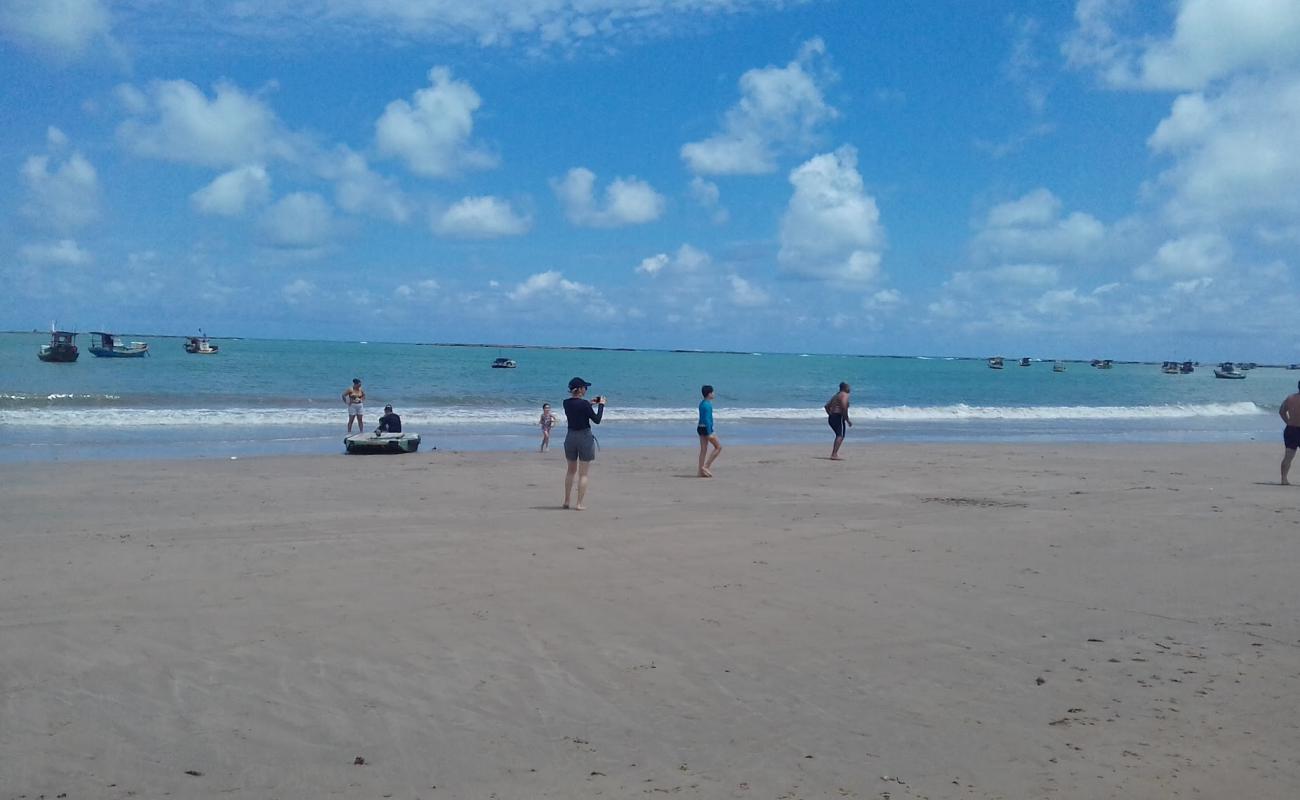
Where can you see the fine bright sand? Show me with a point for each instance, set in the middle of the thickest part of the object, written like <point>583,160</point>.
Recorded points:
<point>920,621</point>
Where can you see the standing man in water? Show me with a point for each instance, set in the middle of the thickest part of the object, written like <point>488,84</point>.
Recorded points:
<point>705,431</point>
<point>580,443</point>
<point>355,397</point>
<point>837,416</point>
<point>1290,413</point>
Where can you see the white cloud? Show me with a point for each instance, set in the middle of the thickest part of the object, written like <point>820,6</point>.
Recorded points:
<point>562,24</point>
<point>653,265</point>
<point>707,194</point>
<point>179,123</point>
<point>233,192</point>
<point>780,110</point>
<point>883,300</point>
<point>1235,153</point>
<point>64,252</point>
<point>1008,277</point>
<point>1032,228</point>
<point>746,294</point>
<point>545,289</point>
<point>481,218</point>
<point>61,27</point>
<point>627,201</point>
<point>1211,39</point>
<point>831,229</point>
<point>302,220</point>
<point>421,290</point>
<point>687,259</point>
<point>360,190</point>
<point>298,292</point>
<point>1193,256</point>
<point>432,135</point>
<point>63,193</point>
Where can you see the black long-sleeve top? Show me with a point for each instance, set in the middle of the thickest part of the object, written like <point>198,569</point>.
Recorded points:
<point>579,412</point>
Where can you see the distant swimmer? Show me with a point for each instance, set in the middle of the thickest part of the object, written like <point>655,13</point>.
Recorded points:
<point>706,434</point>
<point>837,416</point>
<point>579,442</point>
<point>1290,414</point>
<point>355,397</point>
<point>389,422</point>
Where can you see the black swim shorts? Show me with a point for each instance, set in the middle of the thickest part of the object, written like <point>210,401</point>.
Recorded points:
<point>836,421</point>
<point>702,430</point>
<point>1291,437</point>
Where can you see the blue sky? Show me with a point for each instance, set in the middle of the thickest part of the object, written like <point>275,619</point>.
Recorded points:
<point>1110,178</point>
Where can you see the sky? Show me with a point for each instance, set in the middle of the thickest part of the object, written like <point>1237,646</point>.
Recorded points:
<point>1104,178</point>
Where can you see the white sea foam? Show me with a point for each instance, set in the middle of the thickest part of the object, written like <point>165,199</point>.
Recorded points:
<point>464,416</point>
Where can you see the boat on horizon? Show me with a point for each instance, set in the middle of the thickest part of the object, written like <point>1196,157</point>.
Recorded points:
<point>108,345</point>
<point>62,348</point>
<point>1024,362</point>
<point>1229,371</point>
<point>1170,368</point>
<point>504,363</point>
<point>1100,363</point>
<point>996,362</point>
<point>1058,366</point>
<point>199,345</point>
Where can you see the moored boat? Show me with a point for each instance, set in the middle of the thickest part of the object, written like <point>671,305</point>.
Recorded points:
<point>995,362</point>
<point>504,363</point>
<point>1170,368</point>
<point>381,443</point>
<point>1187,368</point>
<point>108,345</point>
<point>62,348</point>
<point>1229,371</point>
<point>1024,362</point>
<point>199,345</point>
<point>1058,366</point>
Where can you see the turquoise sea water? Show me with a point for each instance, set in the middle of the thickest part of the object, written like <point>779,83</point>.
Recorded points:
<point>265,396</point>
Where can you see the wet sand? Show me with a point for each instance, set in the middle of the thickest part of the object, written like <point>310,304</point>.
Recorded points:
<point>917,621</point>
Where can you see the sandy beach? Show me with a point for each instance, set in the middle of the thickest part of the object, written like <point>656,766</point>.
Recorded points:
<point>920,621</point>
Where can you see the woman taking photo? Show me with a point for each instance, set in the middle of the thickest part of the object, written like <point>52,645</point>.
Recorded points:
<point>579,442</point>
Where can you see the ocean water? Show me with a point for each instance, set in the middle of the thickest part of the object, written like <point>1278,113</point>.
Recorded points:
<point>270,396</point>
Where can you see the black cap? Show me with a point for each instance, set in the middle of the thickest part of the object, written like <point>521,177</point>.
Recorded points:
<point>356,380</point>
<point>574,383</point>
<point>388,408</point>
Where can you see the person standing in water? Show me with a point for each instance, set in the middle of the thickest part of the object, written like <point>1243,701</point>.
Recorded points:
<point>1290,413</point>
<point>706,434</point>
<point>579,442</point>
<point>837,416</point>
<point>547,421</point>
<point>355,398</point>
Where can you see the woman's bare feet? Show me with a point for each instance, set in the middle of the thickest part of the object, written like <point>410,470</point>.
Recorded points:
<point>579,508</point>
<point>704,473</point>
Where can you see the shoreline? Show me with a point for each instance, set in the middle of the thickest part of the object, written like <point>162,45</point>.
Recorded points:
<point>1020,621</point>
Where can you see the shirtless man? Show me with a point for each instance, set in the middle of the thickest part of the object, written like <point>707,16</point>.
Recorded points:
<point>355,397</point>
<point>1290,414</point>
<point>837,416</point>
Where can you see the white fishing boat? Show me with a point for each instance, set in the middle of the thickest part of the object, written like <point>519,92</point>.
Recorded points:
<point>504,363</point>
<point>1228,371</point>
<point>110,345</point>
<point>1058,366</point>
<point>995,362</point>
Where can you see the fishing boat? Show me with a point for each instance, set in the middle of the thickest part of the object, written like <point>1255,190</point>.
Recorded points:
<point>199,345</point>
<point>504,363</point>
<point>108,345</point>
<point>1100,363</point>
<point>62,348</point>
<point>1058,366</point>
<point>1024,362</point>
<point>1170,368</point>
<point>381,443</point>
<point>995,362</point>
<point>1229,371</point>
<point>1187,368</point>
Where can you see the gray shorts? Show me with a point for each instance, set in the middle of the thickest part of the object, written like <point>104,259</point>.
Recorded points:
<point>580,445</point>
